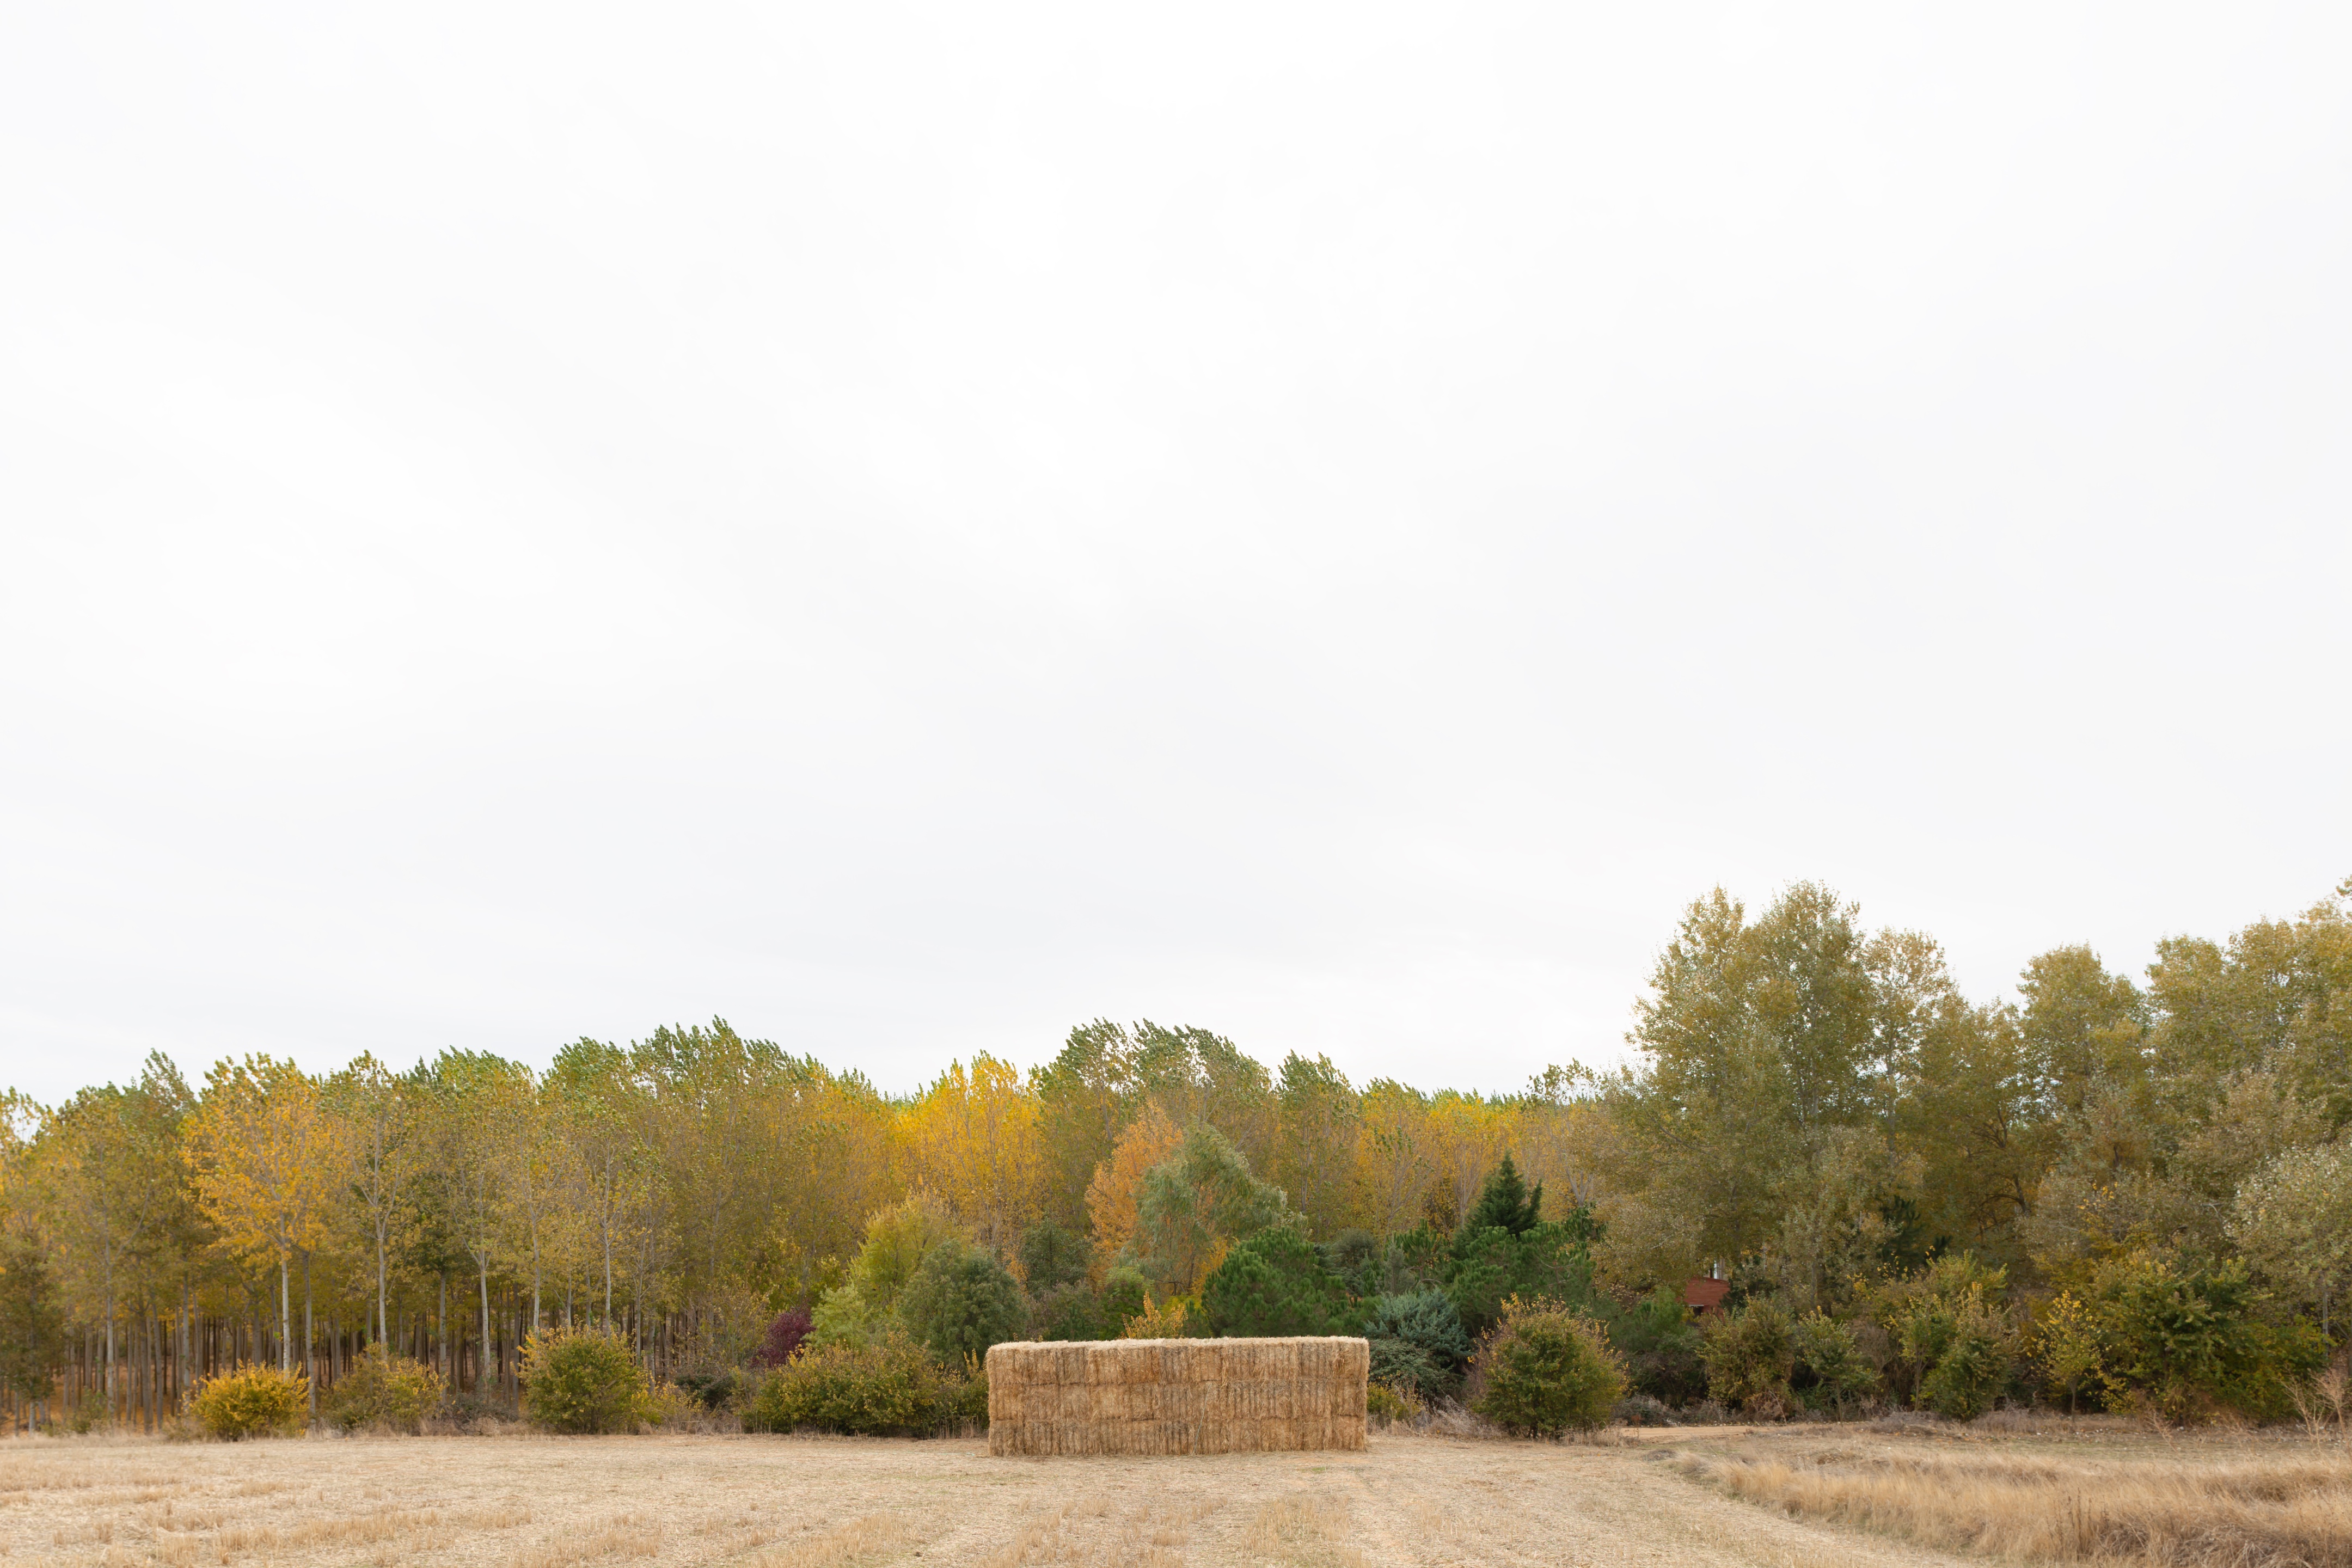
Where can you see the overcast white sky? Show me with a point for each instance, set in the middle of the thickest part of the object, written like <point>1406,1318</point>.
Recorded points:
<point>913,529</point>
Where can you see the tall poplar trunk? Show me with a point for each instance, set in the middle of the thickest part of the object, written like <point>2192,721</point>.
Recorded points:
<point>383,1332</point>
<point>309,1340</point>
<point>285,1314</point>
<point>486,1327</point>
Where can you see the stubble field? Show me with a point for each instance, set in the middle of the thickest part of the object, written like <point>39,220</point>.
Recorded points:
<point>1772,1497</point>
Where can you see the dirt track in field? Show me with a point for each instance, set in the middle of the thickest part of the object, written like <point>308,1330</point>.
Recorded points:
<point>802,1502</point>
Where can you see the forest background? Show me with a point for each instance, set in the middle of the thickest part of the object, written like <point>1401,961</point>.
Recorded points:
<point>1813,1110</point>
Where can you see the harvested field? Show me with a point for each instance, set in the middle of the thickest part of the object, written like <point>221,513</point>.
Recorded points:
<point>813,1503</point>
<point>2056,1491</point>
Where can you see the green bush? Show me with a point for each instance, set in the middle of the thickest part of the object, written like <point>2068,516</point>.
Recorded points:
<point>1964,1344</point>
<point>1401,1365</point>
<point>1069,1312</point>
<point>253,1402</point>
<point>385,1392</point>
<point>1544,1370</point>
<point>1920,1312</point>
<point>583,1379</point>
<point>1384,1405</point>
<point>961,1301</point>
<point>2183,1337</point>
<point>1426,1320</point>
<point>1830,1366</point>
<point>1750,1356</point>
<point>1052,1258</point>
<point>1124,1296</point>
<point>1272,1284</point>
<point>1660,1342</point>
<point>889,1388</point>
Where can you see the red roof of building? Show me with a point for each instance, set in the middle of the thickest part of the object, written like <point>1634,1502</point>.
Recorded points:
<point>1707,1295</point>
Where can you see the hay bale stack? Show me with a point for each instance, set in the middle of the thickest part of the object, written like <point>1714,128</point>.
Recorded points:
<point>1176,1397</point>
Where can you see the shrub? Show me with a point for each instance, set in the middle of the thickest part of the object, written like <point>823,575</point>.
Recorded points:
<point>711,1389</point>
<point>1933,1297</point>
<point>674,1409</point>
<point>1275,1283</point>
<point>1750,1356</point>
<point>1660,1342</point>
<point>1426,1319</point>
<point>2183,1337</point>
<point>1830,1366</point>
<point>1384,1405</point>
<point>784,1336</point>
<point>888,1388</point>
<point>385,1392</point>
<point>1544,1370</point>
<point>1640,1410</point>
<point>582,1380</point>
<point>1162,1320</point>
<point>961,1301</point>
<point>1403,1365</point>
<point>253,1402</point>
<point>1963,1343</point>
<point>1068,1312</point>
<point>1051,1257</point>
<point>2066,1348</point>
<point>1125,1295</point>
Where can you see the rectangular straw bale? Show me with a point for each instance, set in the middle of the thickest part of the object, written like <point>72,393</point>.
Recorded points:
<point>1177,1396</point>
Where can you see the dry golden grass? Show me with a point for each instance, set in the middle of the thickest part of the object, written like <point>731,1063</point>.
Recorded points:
<point>733,1502</point>
<point>2225,1500</point>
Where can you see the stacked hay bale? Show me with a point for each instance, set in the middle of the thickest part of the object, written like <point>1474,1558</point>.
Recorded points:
<point>1176,1397</point>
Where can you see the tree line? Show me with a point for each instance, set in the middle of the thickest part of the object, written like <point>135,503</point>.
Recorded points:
<point>1812,1109</point>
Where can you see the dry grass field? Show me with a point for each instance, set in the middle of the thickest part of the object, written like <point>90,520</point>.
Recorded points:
<point>1790,1498</point>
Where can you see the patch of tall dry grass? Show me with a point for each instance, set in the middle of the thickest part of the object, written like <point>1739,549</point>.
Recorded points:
<point>2291,1510</point>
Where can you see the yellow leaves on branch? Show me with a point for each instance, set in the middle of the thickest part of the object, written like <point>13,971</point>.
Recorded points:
<point>973,1140</point>
<point>1151,1138</point>
<point>264,1155</point>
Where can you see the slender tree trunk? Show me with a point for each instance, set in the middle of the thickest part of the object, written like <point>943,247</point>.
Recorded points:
<point>486,1324</point>
<point>285,1314</point>
<point>110,1331</point>
<point>383,1334</point>
<point>309,1340</point>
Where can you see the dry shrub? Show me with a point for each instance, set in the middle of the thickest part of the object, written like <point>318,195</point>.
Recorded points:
<point>2269,1514</point>
<point>888,1388</point>
<point>1384,1406</point>
<point>1544,1369</point>
<point>253,1402</point>
<point>582,1380</point>
<point>385,1392</point>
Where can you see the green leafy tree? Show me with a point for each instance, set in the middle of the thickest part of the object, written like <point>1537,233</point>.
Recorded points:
<point>2294,1220</point>
<point>1275,1283</point>
<point>961,1301</point>
<point>1193,1205</point>
<point>1751,1355</point>
<point>1504,1203</point>
<point>1051,1257</point>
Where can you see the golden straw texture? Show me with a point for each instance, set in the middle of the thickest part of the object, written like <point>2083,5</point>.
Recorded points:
<point>1176,1397</point>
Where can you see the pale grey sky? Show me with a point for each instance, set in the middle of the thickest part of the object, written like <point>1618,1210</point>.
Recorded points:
<point>911,528</point>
